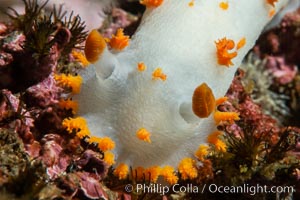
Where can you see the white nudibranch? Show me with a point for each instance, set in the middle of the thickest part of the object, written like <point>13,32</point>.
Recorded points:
<point>144,87</point>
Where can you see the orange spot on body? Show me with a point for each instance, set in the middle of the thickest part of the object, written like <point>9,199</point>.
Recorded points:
<point>141,67</point>
<point>144,135</point>
<point>203,101</point>
<point>224,5</point>
<point>151,3</point>
<point>272,2</point>
<point>119,41</point>
<point>272,12</point>
<point>158,74</point>
<point>224,56</point>
<point>241,43</point>
<point>191,3</point>
<point>94,46</point>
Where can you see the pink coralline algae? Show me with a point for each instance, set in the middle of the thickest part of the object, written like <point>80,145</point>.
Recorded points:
<point>91,161</point>
<point>118,19</point>
<point>43,94</point>
<point>250,113</point>
<point>283,73</point>
<point>53,157</point>
<point>282,41</point>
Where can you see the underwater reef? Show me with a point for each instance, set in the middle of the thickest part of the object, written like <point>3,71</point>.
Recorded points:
<point>149,105</point>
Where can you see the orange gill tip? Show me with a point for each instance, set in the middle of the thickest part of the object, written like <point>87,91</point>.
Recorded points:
<point>221,100</point>
<point>272,2</point>
<point>138,173</point>
<point>119,41</point>
<point>226,116</point>
<point>224,5</point>
<point>121,171</point>
<point>141,67</point>
<point>151,3</point>
<point>144,135</point>
<point>241,43</point>
<point>158,74</point>
<point>68,104</point>
<point>203,101</point>
<point>80,57</point>
<point>94,46</point>
<point>224,56</point>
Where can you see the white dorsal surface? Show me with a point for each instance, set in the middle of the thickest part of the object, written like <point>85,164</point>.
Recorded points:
<point>179,39</point>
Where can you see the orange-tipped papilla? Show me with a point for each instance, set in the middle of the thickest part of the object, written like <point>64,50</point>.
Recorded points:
<point>94,46</point>
<point>203,102</point>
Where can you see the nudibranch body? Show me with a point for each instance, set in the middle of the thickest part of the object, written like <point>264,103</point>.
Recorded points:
<point>118,98</point>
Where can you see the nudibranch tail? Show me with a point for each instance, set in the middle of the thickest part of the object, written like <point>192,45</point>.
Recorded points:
<point>203,102</point>
<point>94,46</point>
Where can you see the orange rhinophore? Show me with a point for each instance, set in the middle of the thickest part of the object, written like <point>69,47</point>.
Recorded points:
<point>119,41</point>
<point>241,43</point>
<point>226,116</point>
<point>272,2</point>
<point>203,102</point>
<point>94,46</point>
<point>224,56</point>
<point>152,3</point>
<point>224,5</point>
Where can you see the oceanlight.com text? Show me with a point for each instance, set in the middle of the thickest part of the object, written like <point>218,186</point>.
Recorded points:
<point>211,188</point>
